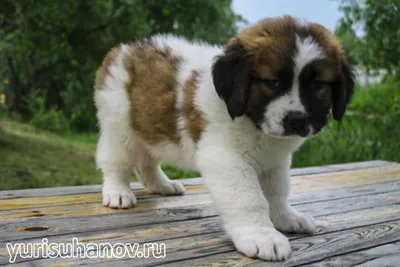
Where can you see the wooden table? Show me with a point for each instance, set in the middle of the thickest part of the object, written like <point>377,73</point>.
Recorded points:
<point>357,208</point>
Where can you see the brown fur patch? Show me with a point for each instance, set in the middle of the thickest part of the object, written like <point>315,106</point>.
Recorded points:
<point>258,96</point>
<point>151,91</point>
<point>102,71</point>
<point>327,41</point>
<point>193,117</point>
<point>272,44</point>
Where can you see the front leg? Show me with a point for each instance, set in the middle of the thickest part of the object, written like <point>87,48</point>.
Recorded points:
<point>276,186</point>
<point>236,190</point>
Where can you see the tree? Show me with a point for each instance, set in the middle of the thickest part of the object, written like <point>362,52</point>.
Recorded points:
<point>377,23</point>
<point>52,48</point>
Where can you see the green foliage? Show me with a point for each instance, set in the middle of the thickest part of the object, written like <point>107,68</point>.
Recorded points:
<point>56,46</point>
<point>51,119</point>
<point>370,35</point>
<point>379,100</point>
<point>377,22</point>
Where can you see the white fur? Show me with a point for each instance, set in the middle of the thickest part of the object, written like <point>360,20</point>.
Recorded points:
<point>246,171</point>
<point>307,51</point>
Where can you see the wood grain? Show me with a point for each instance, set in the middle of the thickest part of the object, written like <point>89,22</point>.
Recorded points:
<point>13,229</point>
<point>307,249</point>
<point>357,209</point>
<point>67,190</point>
<point>386,255</point>
<point>144,233</point>
<point>92,202</point>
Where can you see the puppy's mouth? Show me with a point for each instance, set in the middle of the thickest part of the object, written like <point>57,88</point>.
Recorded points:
<point>301,131</point>
<point>289,135</point>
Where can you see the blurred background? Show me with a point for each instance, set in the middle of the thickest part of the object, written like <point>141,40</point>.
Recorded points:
<point>50,50</point>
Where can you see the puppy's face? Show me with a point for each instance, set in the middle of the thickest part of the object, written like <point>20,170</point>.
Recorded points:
<point>286,76</point>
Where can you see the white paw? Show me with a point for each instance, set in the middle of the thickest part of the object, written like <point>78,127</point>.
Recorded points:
<point>167,188</point>
<point>118,196</point>
<point>293,221</point>
<point>265,243</point>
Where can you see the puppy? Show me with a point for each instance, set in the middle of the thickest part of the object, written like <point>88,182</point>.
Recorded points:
<point>234,113</point>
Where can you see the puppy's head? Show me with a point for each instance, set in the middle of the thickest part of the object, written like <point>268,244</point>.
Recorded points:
<point>286,75</point>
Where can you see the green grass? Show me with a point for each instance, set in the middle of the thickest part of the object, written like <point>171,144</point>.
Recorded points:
<point>31,158</point>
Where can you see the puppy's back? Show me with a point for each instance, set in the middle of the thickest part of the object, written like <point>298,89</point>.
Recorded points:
<point>147,72</point>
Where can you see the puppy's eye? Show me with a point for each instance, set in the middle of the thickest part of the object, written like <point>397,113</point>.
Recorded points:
<point>317,85</point>
<point>272,84</point>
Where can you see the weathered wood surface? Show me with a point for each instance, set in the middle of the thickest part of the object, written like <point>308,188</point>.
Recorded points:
<point>69,190</point>
<point>357,208</point>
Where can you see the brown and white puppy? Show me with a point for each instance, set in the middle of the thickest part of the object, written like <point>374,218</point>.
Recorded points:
<point>234,113</point>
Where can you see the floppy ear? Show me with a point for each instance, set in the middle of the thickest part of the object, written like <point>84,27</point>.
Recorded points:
<point>343,91</point>
<point>231,76</point>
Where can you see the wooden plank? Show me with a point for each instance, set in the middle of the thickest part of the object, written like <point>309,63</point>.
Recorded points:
<point>184,251</point>
<point>386,255</point>
<point>340,167</point>
<point>304,183</point>
<point>388,261</point>
<point>321,247</point>
<point>146,232</point>
<point>160,231</point>
<point>57,191</point>
<point>352,203</point>
<point>305,250</point>
<point>36,215</point>
<point>298,198</point>
<point>70,190</point>
<point>140,234</point>
<point>343,179</point>
<point>87,209</point>
<point>194,245</point>
<point>60,215</point>
<point>316,209</point>
<point>340,193</point>
<point>334,202</point>
<point>51,201</point>
<point>360,165</point>
<point>52,227</point>
<point>192,200</point>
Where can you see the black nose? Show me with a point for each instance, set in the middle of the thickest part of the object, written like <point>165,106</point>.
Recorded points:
<point>296,122</point>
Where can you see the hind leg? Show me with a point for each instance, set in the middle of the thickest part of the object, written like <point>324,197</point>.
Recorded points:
<point>152,176</point>
<point>114,158</point>
<point>114,154</point>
